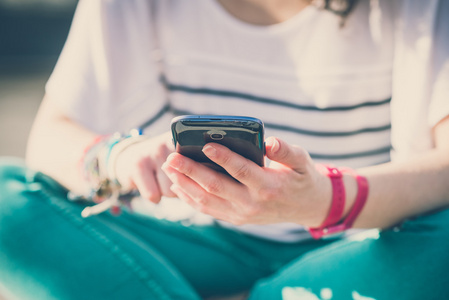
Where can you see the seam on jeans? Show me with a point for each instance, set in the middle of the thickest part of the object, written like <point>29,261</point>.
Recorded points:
<point>109,245</point>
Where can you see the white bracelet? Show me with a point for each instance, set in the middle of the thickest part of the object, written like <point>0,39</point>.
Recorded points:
<point>115,152</point>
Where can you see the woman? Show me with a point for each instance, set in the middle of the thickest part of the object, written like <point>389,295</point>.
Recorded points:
<point>342,83</point>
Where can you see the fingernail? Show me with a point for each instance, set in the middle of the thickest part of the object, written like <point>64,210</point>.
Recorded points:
<point>175,188</point>
<point>210,151</point>
<point>166,168</point>
<point>275,146</point>
<point>175,163</point>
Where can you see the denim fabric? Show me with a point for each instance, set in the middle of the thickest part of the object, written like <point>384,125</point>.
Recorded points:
<point>48,251</point>
<point>406,263</point>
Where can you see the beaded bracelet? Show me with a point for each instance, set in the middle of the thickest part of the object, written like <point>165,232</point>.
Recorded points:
<point>89,164</point>
<point>97,163</point>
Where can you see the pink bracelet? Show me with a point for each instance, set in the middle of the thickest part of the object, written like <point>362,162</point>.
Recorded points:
<point>359,203</point>
<point>338,200</point>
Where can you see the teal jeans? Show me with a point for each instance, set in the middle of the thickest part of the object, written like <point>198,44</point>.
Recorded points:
<point>48,251</point>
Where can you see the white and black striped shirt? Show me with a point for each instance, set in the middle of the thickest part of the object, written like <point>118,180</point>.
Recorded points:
<point>314,84</point>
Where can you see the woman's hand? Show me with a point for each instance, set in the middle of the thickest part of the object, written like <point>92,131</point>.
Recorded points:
<point>139,167</point>
<point>289,190</point>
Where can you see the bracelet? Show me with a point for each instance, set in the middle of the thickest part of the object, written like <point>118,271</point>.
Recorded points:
<point>88,163</point>
<point>118,149</point>
<point>95,164</point>
<point>104,153</point>
<point>359,203</point>
<point>338,200</point>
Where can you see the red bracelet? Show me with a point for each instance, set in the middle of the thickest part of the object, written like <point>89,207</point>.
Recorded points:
<point>359,203</point>
<point>338,201</point>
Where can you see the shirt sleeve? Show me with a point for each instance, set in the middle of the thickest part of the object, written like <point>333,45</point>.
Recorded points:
<point>439,104</point>
<point>105,74</point>
<point>420,96</point>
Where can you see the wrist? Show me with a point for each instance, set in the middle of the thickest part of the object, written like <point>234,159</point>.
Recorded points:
<point>119,149</point>
<point>322,202</point>
<point>342,214</point>
<point>98,170</point>
<point>333,198</point>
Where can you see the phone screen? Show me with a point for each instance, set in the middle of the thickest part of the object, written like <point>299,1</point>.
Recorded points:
<point>243,135</point>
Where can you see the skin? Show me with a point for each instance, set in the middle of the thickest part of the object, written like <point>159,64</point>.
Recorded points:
<point>264,12</point>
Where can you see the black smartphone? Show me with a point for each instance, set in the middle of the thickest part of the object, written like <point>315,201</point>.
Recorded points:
<point>243,135</point>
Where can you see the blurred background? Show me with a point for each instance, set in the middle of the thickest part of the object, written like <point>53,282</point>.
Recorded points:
<point>32,34</point>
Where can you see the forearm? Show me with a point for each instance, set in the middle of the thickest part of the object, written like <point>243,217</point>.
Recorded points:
<point>409,188</point>
<point>405,189</point>
<point>56,145</point>
<point>401,190</point>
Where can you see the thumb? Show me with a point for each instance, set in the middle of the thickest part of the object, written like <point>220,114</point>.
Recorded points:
<point>291,156</point>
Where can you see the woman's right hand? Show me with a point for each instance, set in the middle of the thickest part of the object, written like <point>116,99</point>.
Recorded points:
<point>139,167</point>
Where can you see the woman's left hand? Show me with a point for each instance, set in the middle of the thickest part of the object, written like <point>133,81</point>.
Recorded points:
<point>289,190</point>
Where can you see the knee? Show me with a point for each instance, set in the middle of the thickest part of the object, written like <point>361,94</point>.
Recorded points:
<point>16,180</point>
<point>11,168</point>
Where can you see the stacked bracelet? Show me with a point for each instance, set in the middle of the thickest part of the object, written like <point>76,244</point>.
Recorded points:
<point>111,160</point>
<point>332,224</point>
<point>98,170</point>
<point>89,164</point>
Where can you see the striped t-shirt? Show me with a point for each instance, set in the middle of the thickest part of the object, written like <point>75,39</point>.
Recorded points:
<point>316,84</point>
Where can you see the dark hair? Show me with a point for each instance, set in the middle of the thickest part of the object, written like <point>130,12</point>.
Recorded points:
<point>341,8</point>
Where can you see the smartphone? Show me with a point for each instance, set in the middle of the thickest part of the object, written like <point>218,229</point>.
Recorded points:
<point>243,135</point>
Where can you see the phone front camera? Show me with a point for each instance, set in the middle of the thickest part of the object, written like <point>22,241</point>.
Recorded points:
<point>216,136</point>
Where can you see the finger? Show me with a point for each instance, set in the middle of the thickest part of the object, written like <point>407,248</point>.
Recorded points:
<point>162,179</point>
<point>210,180</point>
<point>198,207</point>
<point>146,182</point>
<point>294,157</point>
<point>204,200</point>
<point>164,184</point>
<point>242,169</point>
